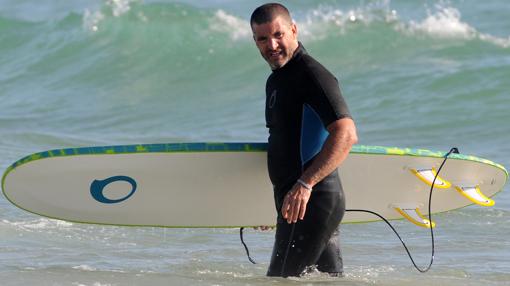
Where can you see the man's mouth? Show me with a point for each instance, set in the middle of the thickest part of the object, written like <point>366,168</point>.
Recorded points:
<point>275,54</point>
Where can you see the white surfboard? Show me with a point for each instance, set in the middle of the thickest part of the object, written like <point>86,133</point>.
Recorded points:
<point>226,184</point>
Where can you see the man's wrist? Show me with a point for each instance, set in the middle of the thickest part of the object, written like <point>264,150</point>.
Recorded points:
<point>304,185</point>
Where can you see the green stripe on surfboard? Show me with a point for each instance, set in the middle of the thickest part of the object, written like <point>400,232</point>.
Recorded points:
<point>231,147</point>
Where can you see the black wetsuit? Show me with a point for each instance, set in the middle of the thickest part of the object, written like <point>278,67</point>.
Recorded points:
<point>302,99</point>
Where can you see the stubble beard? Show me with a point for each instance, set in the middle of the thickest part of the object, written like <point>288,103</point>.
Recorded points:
<point>286,56</point>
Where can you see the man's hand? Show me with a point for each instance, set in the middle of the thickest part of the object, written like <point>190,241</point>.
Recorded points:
<point>264,228</point>
<point>294,204</point>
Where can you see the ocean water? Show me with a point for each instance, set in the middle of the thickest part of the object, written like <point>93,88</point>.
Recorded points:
<point>421,74</point>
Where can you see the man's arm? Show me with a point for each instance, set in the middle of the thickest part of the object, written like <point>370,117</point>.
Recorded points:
<point>342,135</point>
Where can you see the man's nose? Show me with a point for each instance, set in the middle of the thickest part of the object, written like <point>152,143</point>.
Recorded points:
<point>273,44</point>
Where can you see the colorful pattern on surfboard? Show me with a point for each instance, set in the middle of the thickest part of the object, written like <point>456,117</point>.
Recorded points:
<point>231,147</point>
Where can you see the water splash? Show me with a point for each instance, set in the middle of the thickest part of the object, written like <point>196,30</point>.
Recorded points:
<point>117,8</point>
<point>41,224</point>
<point>91,20</point>
<point>445,22</point>
<point>235,27</point>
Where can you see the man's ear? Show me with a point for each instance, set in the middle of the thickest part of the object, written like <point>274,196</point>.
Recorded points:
<point>294,28</point>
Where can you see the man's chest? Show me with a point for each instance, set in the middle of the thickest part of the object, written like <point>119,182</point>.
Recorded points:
<point>284,102</point>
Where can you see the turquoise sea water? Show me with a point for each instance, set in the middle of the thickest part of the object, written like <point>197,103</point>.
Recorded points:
<point>421,74</point>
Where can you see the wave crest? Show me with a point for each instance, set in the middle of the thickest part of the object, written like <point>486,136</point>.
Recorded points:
<point>235,27</point>
<point>445,23</point>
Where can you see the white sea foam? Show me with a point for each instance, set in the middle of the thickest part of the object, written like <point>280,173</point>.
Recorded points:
<point>235,27</point>
<point>119,7</point>
<point>39,224</point>
<point>84,268</point>
<point>223,273</point>
<point>91,20</point>
<point>502,42</point>
<point>445,22</point>
<point>325,21</point>
<point>94,284</point>
<point>312,26</point>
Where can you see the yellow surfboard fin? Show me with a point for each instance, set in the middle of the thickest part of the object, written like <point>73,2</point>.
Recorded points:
<point>413,214</point>
<point>428,175</point>
<point>475,195</point>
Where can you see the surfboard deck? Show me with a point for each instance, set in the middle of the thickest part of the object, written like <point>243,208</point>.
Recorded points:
<point>224,184</point>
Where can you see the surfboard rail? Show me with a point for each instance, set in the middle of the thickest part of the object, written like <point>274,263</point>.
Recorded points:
<point>249,148</point>
<point>231,147</point>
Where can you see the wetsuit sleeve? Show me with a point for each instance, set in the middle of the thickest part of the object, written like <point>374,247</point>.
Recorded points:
<point>324,95</point>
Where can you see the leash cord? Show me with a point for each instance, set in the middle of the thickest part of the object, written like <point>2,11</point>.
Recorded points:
<point>453,150</point>
<point>246,247</point>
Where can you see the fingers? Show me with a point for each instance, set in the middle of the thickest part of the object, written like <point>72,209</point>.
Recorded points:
<point>294,211</point>
<point>286,206</point>
<point>302,211</point>
<point>263,228</point>
<point>294,206</point>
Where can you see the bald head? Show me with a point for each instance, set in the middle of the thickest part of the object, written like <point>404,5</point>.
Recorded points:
<point>268,12</point>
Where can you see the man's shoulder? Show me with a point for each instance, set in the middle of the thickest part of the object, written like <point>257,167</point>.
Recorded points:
<point>316,70</point>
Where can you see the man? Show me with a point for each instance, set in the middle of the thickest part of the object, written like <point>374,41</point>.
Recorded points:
<point>310,134</point>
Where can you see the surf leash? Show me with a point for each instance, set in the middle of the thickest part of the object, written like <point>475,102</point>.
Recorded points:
<point>286,252</point>
<point>291,237</point>
<point>246,247</point>
<point>453,150</point>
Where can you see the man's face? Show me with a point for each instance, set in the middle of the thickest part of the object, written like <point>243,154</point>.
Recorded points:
<point>276,41</point>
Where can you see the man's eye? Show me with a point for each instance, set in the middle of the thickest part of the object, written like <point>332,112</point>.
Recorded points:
<point>278,35</point>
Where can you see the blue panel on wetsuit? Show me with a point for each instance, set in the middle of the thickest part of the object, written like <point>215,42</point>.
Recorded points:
<point>313,134</point>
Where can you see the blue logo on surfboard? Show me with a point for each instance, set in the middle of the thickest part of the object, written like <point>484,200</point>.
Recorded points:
<point>97,188</point>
